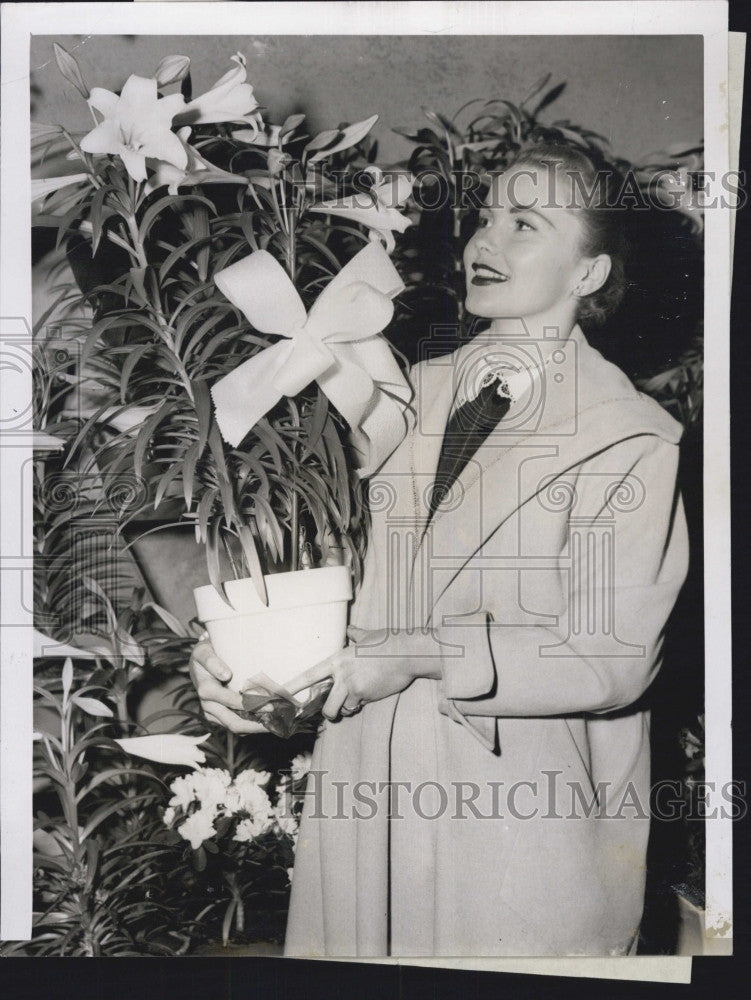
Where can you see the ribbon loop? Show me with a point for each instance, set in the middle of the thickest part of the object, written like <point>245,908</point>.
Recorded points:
<point>338,343</point>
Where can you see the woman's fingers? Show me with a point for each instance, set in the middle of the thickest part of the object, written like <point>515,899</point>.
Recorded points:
<point>203,653</point>
<point>209,689</point>
<point>312,675</point>
<point>337,696</point>
<point>218,713</point>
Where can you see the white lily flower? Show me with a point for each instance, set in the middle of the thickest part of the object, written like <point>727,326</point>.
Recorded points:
<point>166,748</point>
<point>136,125</point>
<point>197,171</point>
<point>377,208</point>
<point>229,100</point>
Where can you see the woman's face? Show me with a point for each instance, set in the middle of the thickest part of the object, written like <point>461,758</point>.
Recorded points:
<point>524,260</point>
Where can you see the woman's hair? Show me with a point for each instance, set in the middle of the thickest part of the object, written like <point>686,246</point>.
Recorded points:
<point>596,184</point>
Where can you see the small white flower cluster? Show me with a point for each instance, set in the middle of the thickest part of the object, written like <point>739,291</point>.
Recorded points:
<point>209,794</point>
<point>300,765</point>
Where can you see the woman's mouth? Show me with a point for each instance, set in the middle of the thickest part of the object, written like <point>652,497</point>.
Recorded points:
<point>484,274</point>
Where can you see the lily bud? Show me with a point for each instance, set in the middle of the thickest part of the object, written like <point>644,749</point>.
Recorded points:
<point>277,161</point>
<point>172,69</point>
<point>166,748</point>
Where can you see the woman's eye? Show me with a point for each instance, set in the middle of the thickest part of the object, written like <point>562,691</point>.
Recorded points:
<point>524,226</point>
<point>483,222</point>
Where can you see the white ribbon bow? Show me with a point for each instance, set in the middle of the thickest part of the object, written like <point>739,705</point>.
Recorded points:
<point>338,343</point>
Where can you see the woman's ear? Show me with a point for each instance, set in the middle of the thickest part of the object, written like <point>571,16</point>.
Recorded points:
<point>596,271</point>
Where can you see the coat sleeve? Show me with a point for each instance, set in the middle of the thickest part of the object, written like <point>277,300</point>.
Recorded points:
<point>509,670</point>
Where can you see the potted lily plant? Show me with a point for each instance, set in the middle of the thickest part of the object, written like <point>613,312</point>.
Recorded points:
<point>230,362</point>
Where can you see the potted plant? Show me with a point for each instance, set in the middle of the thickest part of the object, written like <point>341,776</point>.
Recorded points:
<point>224,266</point>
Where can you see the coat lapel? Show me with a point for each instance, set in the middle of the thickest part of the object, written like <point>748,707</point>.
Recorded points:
<point>568,417</point>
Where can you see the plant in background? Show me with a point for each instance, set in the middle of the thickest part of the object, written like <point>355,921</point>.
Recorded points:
<point>680,388</point>
<point>452,158</point>
<point>92,875</point>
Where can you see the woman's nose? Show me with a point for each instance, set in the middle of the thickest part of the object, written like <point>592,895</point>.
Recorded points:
<point>488,238</point>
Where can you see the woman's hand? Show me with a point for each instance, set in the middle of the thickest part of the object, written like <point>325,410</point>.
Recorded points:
<point>384,665</point>
<point>210,675</point>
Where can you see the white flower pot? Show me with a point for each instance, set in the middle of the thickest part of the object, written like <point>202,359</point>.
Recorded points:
<point>305,621</point>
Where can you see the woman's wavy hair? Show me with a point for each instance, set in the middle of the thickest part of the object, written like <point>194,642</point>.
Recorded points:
<point>597,185</point>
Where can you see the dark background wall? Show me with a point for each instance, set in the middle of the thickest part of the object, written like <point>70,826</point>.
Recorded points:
<point>644,93</point>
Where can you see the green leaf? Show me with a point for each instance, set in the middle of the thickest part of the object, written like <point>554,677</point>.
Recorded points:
<point>164,481</point>
<point>246,225</point>
<point>225,483</point>
<point>323,249</point>
<point>331,437</point>
<point>325,138</point>
<point>145,434</point>
<point>212,559</point>
<point>168,201</point>
<point>109,810</point>
<point>251,555</point>
<point>345,138</point>
<point>317,422</point>
<point>205,506</point>
<point>114,773</point>
<point>69,218</point>
<point>266,519</point>
<point>552,95</point>
<point>202,401</point>
<point>92,706</point>
<point>108,323</point>
<point>536,88</point>
<point>443,123</point>
<point>189,468</point>
<point>67,679</point>
<point>95,216</point>
<point>134,356</point>
<point>70,70</point>
<point>290,124</point>
<point>172,623</point>
<point>176,254</point>
<point>201,230</point>
<point>227,922</point>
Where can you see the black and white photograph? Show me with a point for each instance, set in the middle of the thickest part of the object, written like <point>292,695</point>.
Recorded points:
<point>359,571</point>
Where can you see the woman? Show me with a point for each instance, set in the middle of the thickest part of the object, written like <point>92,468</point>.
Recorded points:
<point>481,783</point>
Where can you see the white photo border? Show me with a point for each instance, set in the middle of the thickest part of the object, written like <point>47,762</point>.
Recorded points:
<point>20,21</point>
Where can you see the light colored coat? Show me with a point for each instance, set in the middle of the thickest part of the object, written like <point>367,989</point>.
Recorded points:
<point>546,579</point>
